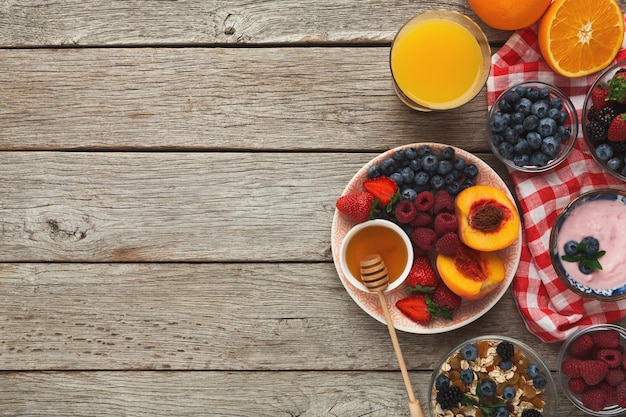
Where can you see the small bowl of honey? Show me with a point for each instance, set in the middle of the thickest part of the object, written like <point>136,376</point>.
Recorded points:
<point>376,237</point>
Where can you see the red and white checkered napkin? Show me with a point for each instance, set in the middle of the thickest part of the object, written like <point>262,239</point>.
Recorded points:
<point>550,310</point>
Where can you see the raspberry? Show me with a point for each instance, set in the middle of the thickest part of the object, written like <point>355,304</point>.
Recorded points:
<point>593,371</point>
<point>611,393</point>
<point>443,202</point>
<point>621,394</point>
<point>448,244</point>
<point>615,377</point>
<point>582,346</point>
<point>577,385</point>
<point>612,357</point>
<point>424,201</point>
<point>594,399</point>
<point>405,211</point>
<point>424,238</point>
<point>571,367</point>
<point>606,339</point>
<point>445,222</point>
<point>422,218</point>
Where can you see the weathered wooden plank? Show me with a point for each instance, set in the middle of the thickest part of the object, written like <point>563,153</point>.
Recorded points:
<point>210,317</point>
<point>249,394</point>
<point>92,23</point>
<point>213,98</point>
<point>158,207</point>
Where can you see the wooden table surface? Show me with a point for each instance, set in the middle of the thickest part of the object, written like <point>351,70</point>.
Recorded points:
<point>168,174</point>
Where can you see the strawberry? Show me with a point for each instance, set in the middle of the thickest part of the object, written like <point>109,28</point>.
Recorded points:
<point>617,129</point>
<point>598,96</point>
<point>383,188</point>
<point>446,300</point>
<point>593,371</point>
<point>422,276</point>
<point>357,206</point>
<point>415,307</point>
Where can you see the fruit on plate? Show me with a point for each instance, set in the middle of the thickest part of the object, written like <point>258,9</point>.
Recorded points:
<point>509,14</point>
<point>488,219</point>
<point>580,37</point>
<point>471,274</point>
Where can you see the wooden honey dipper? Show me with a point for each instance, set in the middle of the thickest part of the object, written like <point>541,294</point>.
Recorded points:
<point>376,278</point>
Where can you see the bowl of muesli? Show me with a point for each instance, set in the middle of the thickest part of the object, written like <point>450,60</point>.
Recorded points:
<point>492,375</point>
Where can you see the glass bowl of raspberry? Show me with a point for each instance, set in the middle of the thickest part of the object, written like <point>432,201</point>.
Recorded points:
<point>604,122</point>
<point>532,126</point>
<point>591,369</point>
<point>494,374</point>
<point>587,245</point>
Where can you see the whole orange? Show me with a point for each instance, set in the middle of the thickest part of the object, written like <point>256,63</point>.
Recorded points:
<point>509,14</point>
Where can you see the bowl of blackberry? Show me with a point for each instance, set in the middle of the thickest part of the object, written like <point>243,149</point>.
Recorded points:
<point>604,119</point>
<point>532,126</point>
<point>592,371</point>
<point>493,376</point>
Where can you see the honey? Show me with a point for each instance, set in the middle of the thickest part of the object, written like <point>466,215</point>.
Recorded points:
<point>383,241</point>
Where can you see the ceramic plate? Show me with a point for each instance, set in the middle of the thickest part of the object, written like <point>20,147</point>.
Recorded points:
<point>469,310</point>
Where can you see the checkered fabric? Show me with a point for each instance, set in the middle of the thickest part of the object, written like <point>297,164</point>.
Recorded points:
<point>549,309</point>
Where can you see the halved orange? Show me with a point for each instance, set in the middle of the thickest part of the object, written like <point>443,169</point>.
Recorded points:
<point>580,37</point>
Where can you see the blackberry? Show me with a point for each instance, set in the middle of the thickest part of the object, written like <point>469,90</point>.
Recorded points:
<point>449,397</point>
<point>597,131</point>
<point>531,413</point>
<point>506,350</point>
<point>606,116</point>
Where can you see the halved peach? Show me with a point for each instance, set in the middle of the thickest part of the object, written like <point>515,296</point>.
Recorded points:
<point>471,274</point>
<point>488,219</point>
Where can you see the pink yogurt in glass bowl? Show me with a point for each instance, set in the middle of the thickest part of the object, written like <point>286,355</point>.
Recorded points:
<point>600,214</point>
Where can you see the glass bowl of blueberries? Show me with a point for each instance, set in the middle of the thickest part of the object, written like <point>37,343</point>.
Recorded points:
<point>587,244</point>
<point>603,122</point>
<point>493,375</point>
<point>532,126</point>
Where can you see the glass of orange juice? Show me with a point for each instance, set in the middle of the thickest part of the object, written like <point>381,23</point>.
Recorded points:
<point>439,60</point>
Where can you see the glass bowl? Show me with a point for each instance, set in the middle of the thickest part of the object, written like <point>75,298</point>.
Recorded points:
<point>595,122</point>
<point>567,373</point>
<point>532,126</point>
<point>599,214</point>
<point>485,363</point>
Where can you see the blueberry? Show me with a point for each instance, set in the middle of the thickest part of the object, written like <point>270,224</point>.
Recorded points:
<point>614,163</point>
<point>448,153</point>
<point>454,188</point>
<point>539,382</point>
<point>388,166</point>
<point>521,159</point>
<point>467,376</point>
<point>444,167</point>
<point>556,103</point>
<point>449,178</point>
<point>524,106</point>
<point>563,132</point>
<point>409,193</point>
<point>498,123</point>
<point>505,106</point>
<point>442,381</point>
<point>508,393</point>
<point>469,352</point>
<point>501,411</point>
<point>487,388</point>
<point>517,118</point>
<point>532,370</point>
<point>546,127</point>
<point>604,152</point>
<point>496,139</point>
<point>521,90</point>
<point>397,177</point>
<point>570,247</point>
<point>407,175</point>
<point>539,159</point>
<point>522,146</point>
<point>424,150</point>
<point>550,146</point>
<point>437,182</point>
<point>421,178</point>
<point>554,114</point>
<point>459,164</point>
<point>429,163</point>
<point>540,109</point>
<point>510,135</point>
<point>592,246</point>
<point>534,140</point>
<point>530,122</point>
<point>584,268</point>
<point>470,171</point>
<point>506,365</point>
<point>410,153</point>
<point>563,116</point>
<point>544,93</point>
<point>373,171</point>
<point>519,128</point>
<point>533,94</point>
<point>415,164</point>
<point>512,96</point>
<point>398,155</point>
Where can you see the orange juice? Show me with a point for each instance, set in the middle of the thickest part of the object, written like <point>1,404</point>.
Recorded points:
<point>377,239</point>
<point>439,60</point>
